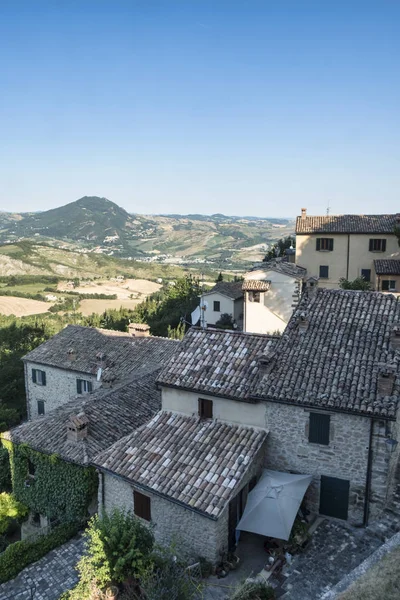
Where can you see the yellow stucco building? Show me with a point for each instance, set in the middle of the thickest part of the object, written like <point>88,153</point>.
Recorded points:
<point>349,246</point>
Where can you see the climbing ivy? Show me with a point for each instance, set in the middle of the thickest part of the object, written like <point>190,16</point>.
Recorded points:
<point>5,474</point>
<point>57,489</point>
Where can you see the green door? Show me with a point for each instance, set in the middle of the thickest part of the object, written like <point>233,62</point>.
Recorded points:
<point>334,497</point>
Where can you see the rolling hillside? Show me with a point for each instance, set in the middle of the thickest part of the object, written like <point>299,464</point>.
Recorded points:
<point>97,224</point>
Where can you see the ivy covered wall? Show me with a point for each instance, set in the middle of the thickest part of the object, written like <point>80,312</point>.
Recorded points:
<point>49,485</point>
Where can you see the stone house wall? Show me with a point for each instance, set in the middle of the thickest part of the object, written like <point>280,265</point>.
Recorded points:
<point>193,534</point>
<point>288,448</point>
<point>60,387</point>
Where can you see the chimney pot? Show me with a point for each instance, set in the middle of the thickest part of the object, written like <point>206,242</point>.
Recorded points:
<point>395,338</point>
<point>77,427</point>
<point>303,213</point>
<point>385,381</point>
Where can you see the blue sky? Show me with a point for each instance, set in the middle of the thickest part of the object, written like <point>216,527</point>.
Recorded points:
<point>240,107</point>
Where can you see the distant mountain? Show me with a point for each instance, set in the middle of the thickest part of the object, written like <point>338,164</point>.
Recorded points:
<point>98,224</point>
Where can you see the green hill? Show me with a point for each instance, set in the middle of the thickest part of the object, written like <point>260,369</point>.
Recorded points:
<point>95,223</point>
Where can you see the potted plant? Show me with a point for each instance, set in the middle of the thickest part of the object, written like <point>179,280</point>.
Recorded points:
<point>112,592</point>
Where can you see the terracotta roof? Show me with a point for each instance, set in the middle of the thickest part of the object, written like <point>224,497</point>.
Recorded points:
<point>387,267</point>
<point>110,415</point>
<point>256,285</point>
<point>232,289</point>
<point>347,224</point>
<point>196,462</point>
<point>331,352</point>
<point>222,363</point>
<point>78,348</point>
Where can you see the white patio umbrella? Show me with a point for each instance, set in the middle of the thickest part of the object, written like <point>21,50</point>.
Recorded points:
<point>273,504</point>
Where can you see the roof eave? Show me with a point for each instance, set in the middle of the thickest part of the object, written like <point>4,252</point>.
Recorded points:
<point>369,415</point>
<point>248,400</point>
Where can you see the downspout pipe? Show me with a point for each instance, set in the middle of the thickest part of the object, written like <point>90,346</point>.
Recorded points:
<point>348,256</point>
<point>368,476</point>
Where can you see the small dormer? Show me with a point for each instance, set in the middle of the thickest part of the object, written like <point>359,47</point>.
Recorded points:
<point>139,329</point>
<point>77,427</point>
<point>101,359</point>
<point>302,322</point>
<point>311,285</point>
<point>386,377</point>
<point>395,337</point>
<point>71,354</point>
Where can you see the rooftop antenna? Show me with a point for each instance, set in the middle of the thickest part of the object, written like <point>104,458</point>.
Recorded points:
<point>328,208</point>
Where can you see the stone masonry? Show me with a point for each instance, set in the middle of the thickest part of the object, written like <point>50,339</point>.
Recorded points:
<point>60,387</point>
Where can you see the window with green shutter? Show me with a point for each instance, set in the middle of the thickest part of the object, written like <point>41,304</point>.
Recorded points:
<point>39,376</point>
<point>319,429</point>
<point>83,386</point>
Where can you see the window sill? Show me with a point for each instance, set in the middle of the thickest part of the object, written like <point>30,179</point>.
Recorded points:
<point>324,250</point>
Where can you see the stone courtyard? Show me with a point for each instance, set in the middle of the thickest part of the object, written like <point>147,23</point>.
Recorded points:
<point>48,577</point>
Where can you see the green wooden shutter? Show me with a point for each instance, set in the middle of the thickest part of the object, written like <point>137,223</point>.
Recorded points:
<point>331,245</point>
<point>43,377</point>
<point>318,243</point>
<point>89,386</point>
<point>319,429</point>
<point>383,246</point>
<point>34,375</point>
<point>79,386</point>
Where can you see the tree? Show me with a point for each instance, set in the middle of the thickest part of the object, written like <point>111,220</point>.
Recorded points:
<point>357,284</point>
<point>278,249</point>
<point>219,278</point>
<point>225,322</point>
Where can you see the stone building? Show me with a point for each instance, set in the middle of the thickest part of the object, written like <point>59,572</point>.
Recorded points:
<point>271,291</point>
<point>80,360</point>
<point>335,246</point>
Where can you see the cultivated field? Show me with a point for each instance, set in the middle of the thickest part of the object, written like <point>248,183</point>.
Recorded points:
<point>21,307</point>
<point>87,307</point>
<point>140,288</point>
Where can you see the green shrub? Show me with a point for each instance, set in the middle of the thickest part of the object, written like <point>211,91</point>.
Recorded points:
<point>10,510</point>
<point>253,591</point>
<point>118,547</point>
<point>21,554</point>
<point>169,578</point>
<point>5,472</point>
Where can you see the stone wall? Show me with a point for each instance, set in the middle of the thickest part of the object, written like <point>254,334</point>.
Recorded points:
<point>193,534</point>
<point>60,387</point>
<point>346,456</point>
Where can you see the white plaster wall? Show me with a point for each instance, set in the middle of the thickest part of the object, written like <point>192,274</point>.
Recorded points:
<point>60,387</point>
<point>275,307</point>
<point>231,411</point>
<point>226,305</point>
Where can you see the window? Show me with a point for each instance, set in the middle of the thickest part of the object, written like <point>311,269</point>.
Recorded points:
<point>83,386</point>
<point>319,429</point>
<point>40,407</point>
<point>205,408</point>
<point>377,245</point>
<point>31,468</point>
<point>388,285</point>
<point>38,376</point>
<point>217,306</point>
<point>142,507</point>
<point>324,272</point>
<point>325,244</point>
<point>366,274</point>
<point>254,296</point>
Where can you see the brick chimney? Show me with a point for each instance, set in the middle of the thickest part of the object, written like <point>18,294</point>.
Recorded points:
<point>303,213</point>
<point>139,329</point>
<point>77,427</point>
<point>71,354</point>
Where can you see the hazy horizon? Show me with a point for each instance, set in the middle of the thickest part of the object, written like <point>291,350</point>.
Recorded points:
<point>168,107</point>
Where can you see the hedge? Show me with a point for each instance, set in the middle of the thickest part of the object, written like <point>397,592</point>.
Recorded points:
<point>21,554</point>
